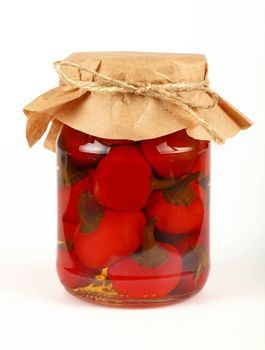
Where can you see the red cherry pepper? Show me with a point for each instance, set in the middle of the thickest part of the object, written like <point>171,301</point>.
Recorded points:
<point>68,200</point>
<point>203,161</point>
<point>73,183</point>
<point>172,155</point>
<point>178,209</point>
<point>188,285</point>
<point>82,148</point>
<point>182,242</point>
<point>66,230</point>
<point>71,271</point>
<point>110,142</point>
<point>150,273</point>
<point>123,179</point>
<point>106,236</point>
<point>195,271</point>
<point>187,243</point>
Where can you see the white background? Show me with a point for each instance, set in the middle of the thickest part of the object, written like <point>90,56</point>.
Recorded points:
<point>35,311</point>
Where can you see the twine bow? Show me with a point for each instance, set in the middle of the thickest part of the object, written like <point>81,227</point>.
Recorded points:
<point>168,92</point>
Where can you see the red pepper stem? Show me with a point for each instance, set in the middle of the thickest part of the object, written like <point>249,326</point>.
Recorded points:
<point>89,218</point>
<point>149,238</point>
<point>82,206</point>
<point>187,180</point>
<point>162,184</point>
<point>68,173</point>
<point>181,194</point>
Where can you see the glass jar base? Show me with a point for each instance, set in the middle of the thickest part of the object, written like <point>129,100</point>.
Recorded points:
<point>118,301</point>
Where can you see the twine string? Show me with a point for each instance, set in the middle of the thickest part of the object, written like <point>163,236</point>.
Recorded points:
<point>168,92</point>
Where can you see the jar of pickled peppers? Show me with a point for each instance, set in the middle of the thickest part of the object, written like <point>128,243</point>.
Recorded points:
<point>133,188</point>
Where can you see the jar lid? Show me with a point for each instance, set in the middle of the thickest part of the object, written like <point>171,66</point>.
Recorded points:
<point>135,96</point>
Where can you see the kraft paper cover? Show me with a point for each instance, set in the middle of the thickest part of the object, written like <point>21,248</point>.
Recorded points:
<point>128,116</point>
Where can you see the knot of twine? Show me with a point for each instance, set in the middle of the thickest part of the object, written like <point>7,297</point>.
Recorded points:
<point>168,92</point>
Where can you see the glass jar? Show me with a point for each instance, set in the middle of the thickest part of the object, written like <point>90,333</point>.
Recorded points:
<point>133,217</point>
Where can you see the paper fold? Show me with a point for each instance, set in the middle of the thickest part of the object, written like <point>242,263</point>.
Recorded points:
<point>127,116</point>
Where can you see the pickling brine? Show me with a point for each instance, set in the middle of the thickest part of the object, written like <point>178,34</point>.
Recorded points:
<point>133,217</point>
